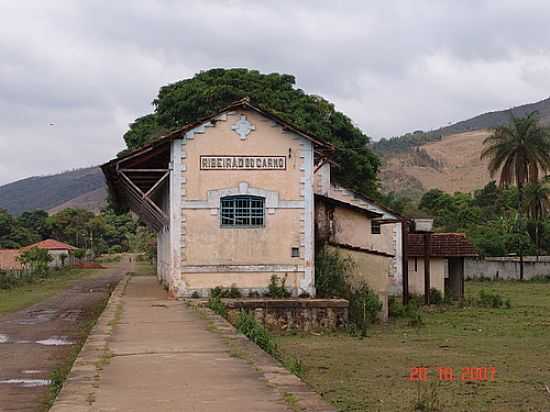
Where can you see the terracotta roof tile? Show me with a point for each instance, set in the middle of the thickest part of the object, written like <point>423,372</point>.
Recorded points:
<point>50,244</point>
<point>443,244</point>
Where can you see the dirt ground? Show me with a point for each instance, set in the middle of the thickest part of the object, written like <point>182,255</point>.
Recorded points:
<point>36,341</point>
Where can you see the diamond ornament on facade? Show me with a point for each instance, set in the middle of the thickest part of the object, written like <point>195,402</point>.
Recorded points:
<point>243,127</point>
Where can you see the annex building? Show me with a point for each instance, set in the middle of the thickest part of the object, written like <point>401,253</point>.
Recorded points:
<point>242,195</point>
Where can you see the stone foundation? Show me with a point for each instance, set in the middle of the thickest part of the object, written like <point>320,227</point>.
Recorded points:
<point>292,314</point>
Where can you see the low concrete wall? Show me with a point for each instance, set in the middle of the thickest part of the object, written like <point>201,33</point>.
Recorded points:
<point>298,314</point>
<point>506,267</point>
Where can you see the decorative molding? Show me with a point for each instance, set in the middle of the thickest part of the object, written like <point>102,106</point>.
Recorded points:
<point>241,268</point>
<point>176,231</point>
<point>307,240</point>
<point>243,127</point>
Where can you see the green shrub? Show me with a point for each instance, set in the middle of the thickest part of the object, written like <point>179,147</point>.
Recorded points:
<point>277,288</point>
<point>232,293</point>
<point>395,307</point>
<point>216,292</point>
<point>249,326</point>
<point>115,249</point>
<point>411,311</point>
<point>490,299</point>
<point>436,298</point>
<point>331,270</point>
<point>364,306</point>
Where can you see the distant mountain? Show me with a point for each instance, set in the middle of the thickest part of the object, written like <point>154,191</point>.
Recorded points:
<point>77,188</point>
<point>446,158</point>
<point>483,121</point>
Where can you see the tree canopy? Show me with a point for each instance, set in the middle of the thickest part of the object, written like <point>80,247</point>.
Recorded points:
<point>210,91</point>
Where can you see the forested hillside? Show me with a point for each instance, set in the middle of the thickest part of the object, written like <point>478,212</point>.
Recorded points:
<point>49,192</point>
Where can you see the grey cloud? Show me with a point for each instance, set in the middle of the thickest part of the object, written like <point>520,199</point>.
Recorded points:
<point>94,66</point>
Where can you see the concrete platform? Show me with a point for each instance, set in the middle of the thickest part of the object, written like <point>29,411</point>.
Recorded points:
<point>162,356</point>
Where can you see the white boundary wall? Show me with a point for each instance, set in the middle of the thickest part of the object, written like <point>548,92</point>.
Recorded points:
<point>505,267</point>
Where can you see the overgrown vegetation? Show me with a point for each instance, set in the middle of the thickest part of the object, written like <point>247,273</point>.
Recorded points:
<point>334,279</point>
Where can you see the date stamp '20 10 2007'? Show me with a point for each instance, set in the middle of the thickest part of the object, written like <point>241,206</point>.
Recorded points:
<point>447,374</point>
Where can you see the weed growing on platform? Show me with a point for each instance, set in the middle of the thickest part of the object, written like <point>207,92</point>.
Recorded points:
<point>249,326</point>
<point>216,304</point>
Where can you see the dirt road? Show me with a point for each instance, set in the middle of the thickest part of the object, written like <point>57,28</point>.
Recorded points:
<point>37,340</point>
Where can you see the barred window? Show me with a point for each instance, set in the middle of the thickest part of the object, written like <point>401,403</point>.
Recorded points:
<point>240,211</point>
<point>375,227</point>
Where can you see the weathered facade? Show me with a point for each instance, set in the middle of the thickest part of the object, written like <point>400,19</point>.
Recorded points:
<point>233,200</point>
<point>358,228</point>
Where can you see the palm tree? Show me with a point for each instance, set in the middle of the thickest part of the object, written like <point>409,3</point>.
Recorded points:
<point>519,151</point>
<point>537,205</point>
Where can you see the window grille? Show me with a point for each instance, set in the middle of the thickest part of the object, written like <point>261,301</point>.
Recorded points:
<point>242,211</point>
<point>375,227</point>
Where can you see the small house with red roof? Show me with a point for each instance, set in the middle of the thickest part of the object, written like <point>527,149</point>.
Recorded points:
<point>60,252</point>
<point>446,253</point>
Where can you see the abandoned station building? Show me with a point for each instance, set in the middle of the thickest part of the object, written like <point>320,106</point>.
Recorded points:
<point>242,195</point>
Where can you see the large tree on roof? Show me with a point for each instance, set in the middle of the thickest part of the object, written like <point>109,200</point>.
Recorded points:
<point>210,91</point>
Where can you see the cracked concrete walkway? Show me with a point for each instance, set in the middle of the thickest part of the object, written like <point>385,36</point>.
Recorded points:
<point>164,358</point>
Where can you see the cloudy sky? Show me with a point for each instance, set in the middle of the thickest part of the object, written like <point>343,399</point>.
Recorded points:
<point>73,74</point>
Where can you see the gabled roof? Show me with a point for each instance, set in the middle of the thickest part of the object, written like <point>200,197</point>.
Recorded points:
<point>362,201</point>
<point>50,244</point>
<point>442,245</point>
<point>239,104</point>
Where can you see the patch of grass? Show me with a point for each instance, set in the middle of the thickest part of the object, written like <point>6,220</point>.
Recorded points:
<point>292,402</point>
<point>373,374</point>
<point>20,297</point>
